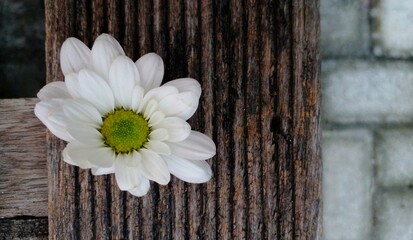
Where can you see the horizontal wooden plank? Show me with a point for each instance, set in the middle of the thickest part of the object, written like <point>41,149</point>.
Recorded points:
<point>23,171</point>
<point>35,229</point>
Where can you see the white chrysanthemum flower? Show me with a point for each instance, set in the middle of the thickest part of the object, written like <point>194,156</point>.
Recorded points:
<point>117,118</point>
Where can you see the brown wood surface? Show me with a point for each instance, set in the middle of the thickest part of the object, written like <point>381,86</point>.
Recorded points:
<point>258,64</point>
<point>23,167</point>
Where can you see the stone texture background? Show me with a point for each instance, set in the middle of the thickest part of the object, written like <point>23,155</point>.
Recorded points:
<point>367,109</point>
<point>367,81</point>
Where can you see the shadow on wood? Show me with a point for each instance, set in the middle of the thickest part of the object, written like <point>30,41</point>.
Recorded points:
<point>258,64</point>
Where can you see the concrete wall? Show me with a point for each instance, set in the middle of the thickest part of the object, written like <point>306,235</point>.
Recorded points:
<point>367,108</point>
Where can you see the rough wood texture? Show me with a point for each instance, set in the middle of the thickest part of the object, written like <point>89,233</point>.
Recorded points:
<point>23,167</point>
<point>258,64</point>
<point>35,229</point>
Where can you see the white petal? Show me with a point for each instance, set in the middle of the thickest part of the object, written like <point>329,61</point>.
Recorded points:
<point>158,94</point>
<point>197,146</point>
<point>158,134</point>
<point>191,171</point>
<point>123,76</point>
<point>50,113</point>
<point>95,90</point>
<point>54,90</point>
<point>181,105</point>
<point>72,84</point>
<point>151,70</point>
<point>58,117</point>
<point>142,189</point>
<point>150,109</point>
<point>74,56</point>
<point>103,171</point>
<point>127,177</point>
<point>57,125</point>
<point>67,159</point>
<point>122,174</point>
<point>158,147</point>
<point>102,157</point>
<point>137,97</point>
<point>186,85</point>
<point>85,134</point>
<point>156,118</point>
<point>134,160</point>
<point>82,112</point>
<point>104,51</point>
<point>77,153</point>
<point>154,167</point>
<point>44,109</point>
<point>178,129</point>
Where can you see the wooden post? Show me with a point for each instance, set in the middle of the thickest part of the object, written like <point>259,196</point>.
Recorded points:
<point>258,63</point>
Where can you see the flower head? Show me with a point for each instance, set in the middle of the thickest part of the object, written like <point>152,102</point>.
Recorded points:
<point>117,118</point>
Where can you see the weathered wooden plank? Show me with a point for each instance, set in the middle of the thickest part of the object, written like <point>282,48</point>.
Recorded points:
<point>223,119</point>
<point>238,42</point>
<point>35,229</point>
<point>283,121</point>
<point>253,122</point>
<point>258,64</point>
<point>202,208</point>
<point>305,32</point>
<point>269,165</point>
<point>23,168</point>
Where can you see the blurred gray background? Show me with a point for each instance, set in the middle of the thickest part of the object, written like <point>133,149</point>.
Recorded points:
<point>367,113</point>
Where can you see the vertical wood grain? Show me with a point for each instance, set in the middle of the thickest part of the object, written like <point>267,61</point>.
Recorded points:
<point>258,64</point>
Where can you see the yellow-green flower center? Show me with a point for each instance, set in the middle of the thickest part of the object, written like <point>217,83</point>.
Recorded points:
<point>125,130</point>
